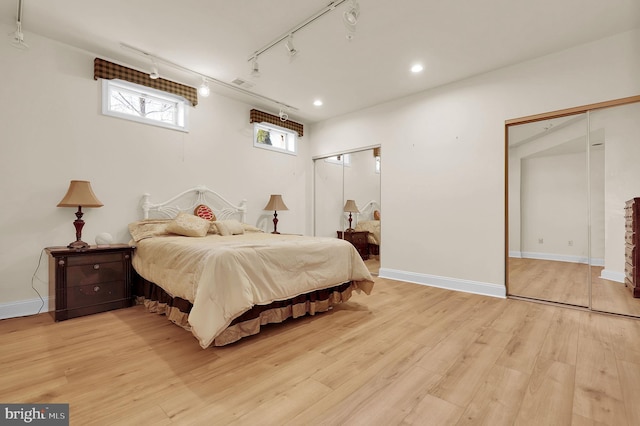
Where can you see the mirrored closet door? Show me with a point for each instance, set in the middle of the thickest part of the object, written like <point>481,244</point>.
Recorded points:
<point>569,176</point>
<point>347,186</point>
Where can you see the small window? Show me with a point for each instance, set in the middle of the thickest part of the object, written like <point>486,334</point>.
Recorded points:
<point>144,105</point>
<point>342,159</point>
<point>268,136</point>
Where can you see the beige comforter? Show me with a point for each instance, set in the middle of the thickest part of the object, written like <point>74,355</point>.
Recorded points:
<point>371,226</point>
<point>224,276</point>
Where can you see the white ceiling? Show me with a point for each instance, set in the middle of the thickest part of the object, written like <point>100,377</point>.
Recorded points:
<point>453,39</point>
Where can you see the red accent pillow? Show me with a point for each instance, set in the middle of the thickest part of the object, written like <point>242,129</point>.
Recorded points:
<point>204,212</point>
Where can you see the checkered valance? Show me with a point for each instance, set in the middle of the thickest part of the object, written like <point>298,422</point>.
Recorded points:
<point>264,117</point>
<point>109,70</point>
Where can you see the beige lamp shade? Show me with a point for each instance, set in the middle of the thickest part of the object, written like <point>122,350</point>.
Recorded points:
<point>80,194</point>
<point>350,206</point>
<point>275,203</point>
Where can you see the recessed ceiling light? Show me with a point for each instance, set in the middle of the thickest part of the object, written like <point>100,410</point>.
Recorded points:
<point>317,102</point>
<point>416,68</point>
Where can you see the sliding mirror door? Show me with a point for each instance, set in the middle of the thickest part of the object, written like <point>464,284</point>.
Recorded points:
<point>548,210</point>
<point>573,181</point>
<point>329,177</point>
<point>614,180</point>
<point>350,181</point>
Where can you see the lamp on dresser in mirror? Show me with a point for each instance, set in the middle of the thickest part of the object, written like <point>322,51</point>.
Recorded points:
<point>79,195</point>
<point>350,206</point>
<point>275,203</point>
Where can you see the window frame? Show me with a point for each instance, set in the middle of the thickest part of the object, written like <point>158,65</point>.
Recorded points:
<point>272,127</point>
<point>181,104</point>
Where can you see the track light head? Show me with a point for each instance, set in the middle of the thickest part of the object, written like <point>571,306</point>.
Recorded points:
<point>350,18</point>
<point>204,89</point>
<point>283,115</point>
<point>154,74</point>
<point>255,67</point>
<point>290,47</point>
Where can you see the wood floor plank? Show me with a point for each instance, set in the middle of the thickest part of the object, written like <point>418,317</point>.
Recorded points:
<point>548,399</point>
<point>598,392</point>
<point>498,398</point>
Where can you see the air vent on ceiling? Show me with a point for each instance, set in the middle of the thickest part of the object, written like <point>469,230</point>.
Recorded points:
<point>242,83</point>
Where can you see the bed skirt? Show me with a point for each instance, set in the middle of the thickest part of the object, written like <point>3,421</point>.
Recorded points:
<point>177,309</point>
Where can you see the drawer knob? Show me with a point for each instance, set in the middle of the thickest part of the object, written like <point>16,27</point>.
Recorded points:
<point>126,256</point>
<point>96,266</point>
<point>61,262</point>
<point>96,289</point>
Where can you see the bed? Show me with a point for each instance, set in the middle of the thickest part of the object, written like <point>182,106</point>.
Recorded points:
<point>369,220</point>
<point>222,279</point>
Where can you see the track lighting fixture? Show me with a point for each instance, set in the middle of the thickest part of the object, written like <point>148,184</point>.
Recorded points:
<point>154,70</point>
<point>290,47</point>
<point>17,37</point>
<point>209,79</point>
<point>204,89</point>
<point>283,115</point>
<point>353,12</point>
<point>255,67</point>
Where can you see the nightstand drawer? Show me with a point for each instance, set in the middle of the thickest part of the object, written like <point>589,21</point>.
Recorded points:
<point>359,238</point>
<point>94,273</point>
<point>92,259</point>
<point>95,294</point>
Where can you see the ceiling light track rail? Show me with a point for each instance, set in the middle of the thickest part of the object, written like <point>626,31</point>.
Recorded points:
<point>331,6</point>
<point>154,58</point>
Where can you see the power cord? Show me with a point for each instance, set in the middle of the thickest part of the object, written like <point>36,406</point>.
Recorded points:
<point>33,279</point>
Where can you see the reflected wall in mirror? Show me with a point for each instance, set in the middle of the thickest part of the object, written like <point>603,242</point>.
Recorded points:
<point>350,176</point>
<point>548,194</point>
<point>569,177</point>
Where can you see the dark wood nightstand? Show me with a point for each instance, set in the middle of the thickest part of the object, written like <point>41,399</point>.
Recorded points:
<point>83,282</point>
<point>359,239</point>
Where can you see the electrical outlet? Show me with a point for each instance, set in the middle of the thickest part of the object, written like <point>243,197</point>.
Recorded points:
<point>570,242</point>
<point>540,241</point>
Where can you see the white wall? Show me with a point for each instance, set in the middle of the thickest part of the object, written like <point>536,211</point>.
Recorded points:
<point>52,131</point>
<point>443,178</point>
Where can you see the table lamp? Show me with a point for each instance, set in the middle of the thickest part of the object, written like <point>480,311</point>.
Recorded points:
<point>350,206</point>
<point>275,203</point>
<point>79,195</point>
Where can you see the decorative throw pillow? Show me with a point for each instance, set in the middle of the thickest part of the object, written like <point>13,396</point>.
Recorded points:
<point>229,227</point>
<point>250,228</point>
<point>148,228</point>
<point>204,212</point>
<point>189,225</point>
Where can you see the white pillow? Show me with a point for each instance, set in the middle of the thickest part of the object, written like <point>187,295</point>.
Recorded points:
<point>188,225</point>
<point>229,227</point>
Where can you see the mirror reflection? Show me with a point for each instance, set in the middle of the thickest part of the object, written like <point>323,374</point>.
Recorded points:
<point>347,201</point>
<point>570,238</point>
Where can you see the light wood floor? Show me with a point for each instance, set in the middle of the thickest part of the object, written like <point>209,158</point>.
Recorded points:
<point>566,282</point>
<point>407,354</point>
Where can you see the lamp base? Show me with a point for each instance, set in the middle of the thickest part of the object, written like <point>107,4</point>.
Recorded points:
<point>78,245</point>
<point>349,230</point>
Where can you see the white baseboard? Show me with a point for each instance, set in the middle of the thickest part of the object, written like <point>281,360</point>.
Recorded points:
<point>516,254</point>
<point>612,275</point>
<point>559,258</point>
<point>23,308</point>
<point>476,287</point>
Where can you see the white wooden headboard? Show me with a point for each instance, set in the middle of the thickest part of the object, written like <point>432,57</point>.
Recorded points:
<point>366,212</point>
<point>188,200</point>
